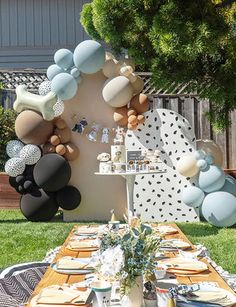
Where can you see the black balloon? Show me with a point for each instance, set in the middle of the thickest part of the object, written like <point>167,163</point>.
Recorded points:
<point>39,206</point>
<point>52,172</point>
<point>12,182</point>
<point>68,198</point>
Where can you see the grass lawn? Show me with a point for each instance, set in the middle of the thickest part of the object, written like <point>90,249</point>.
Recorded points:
<point>22,241</point>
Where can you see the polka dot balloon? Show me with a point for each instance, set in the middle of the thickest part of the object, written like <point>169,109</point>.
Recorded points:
<point>13,148</point>
<point>15,167</point>
<point>58,108</point>
<point>30,154</point>
<point>44,88</point>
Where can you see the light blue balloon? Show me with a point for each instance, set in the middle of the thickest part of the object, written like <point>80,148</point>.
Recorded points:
<point>219,209</point>
<point>230,185</point>
<point>192,196</point>
<point>78,79</point>
<point>65,86</point>
<point>63,58</point>
<point>199,154</point>
<point>75,72</point>
<point>211,179</point>
<point>53,70</point>
<point>209,159</point>
<point>89,57</point>
<point>202,164</point>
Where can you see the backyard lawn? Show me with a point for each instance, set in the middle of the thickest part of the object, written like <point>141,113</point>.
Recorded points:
<point>22,241</point>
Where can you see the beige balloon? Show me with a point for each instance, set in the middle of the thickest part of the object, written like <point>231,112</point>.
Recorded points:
<point>211,148</point>
<point>129,62</point>
<point>138,85</point>
<point>117,92</point>
<point>187,166</point>
<point>109,56</point>
<point>111,68</point>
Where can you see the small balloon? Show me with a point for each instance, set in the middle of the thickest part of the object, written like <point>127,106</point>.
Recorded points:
<point>199,155</point>
<point>58,108</point>
<point>75,72</point>
<point>15,167</point>
<point>63,58</point>
<point>44,88</point>
<point>54,70</point>
<point>30,154</point>
<point>13,148</point>
<point>212,179</point>
<point>192,196</point>
<point>202,164</point>
<point>64,85</point>
<point>68,198</point>
<point>209,159</point>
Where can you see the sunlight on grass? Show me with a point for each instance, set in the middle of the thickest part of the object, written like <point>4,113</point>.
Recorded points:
<point>22,241</point>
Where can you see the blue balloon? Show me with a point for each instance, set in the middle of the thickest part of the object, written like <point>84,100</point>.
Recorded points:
<point>64,58</point>
<point>89,57</point>
<point>219,209</point>
<point>75,72</point>
<point>230,185</point>
<point>192,196</point>
<point>209,159</point>
<point>202,164</point>
<point>65,86</point>
<point>53,70</point>
<point>199,154</point>
<point>211,179</point>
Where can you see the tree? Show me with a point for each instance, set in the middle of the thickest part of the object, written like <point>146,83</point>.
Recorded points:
<point>191,42</point>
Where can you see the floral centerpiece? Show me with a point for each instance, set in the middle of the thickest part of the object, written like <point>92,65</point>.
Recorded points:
<point>127,255</point>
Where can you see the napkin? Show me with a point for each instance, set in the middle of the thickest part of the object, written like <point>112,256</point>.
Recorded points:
<point>221,297</point>
<point>63,295</point>
<point>70,263</point>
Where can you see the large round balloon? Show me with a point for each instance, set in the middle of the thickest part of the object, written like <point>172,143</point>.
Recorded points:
<point>212,179</point>
<point>39,206</point>
<point>14,167</point>
<point>13,148</point>
<point>30,154</point>
<point>52,172</point>
<point>187,166</point>
<point>63,58</point>
<point>31,128</point>
<point>230,185</point>
<point>192,196</point>
<point>64,85</point>
<point>54,70</point>
<point>89,57</point>
<point>117,92</point>
<point>68,198</point>
<point>210,147</point>
<point>219,209</point>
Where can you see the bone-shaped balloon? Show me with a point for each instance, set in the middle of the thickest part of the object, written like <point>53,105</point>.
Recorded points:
<point>43,104</point>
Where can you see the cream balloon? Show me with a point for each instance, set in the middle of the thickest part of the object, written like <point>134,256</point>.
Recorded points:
<point>211,148</point>
<point>117,92</point>
<point>138,85</point>
<point>129,62</point>
<point>109,55</point>
<point>111,68</point>
<point>187,166</point>
<point>43,104</point>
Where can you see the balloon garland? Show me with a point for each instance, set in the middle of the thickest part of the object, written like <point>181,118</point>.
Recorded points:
<point>215,193</point>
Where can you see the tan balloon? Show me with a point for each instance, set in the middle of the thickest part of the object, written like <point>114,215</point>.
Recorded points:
<point>131,111</point>
<point>111,68</point>
<point>187,166</point>
<point>140,103</point>
<point>72,152</point>
<point>141,119</point>
<point>138,85</point>
<point>211,148</point>
<point>132,119</point>
<point>64,135</point>
<point>132,127</point>
<point>126,70</point>
<point>31,128</point>
<point>60,123</point>
<point>129,62</point>
<point>60,149</point>
<point>120,116</point>
<point>48,148</point>
<point>117,92</point>
<point>54,140</point>
<point>132,78</point>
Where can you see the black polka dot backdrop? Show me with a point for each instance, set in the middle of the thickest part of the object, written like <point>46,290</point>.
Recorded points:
<point>158,197</point>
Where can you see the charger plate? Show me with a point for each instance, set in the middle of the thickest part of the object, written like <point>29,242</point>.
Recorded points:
<point>183,266</point>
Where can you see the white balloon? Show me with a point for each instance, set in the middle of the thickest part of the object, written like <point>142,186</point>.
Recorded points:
<point>14,167</point>
<point>13,148</point>
<point>30,154</point>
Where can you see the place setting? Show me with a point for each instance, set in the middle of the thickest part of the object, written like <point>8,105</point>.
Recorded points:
<point>73,266</point>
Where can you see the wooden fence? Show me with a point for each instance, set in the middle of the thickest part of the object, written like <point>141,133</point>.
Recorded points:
<point>193,110</point>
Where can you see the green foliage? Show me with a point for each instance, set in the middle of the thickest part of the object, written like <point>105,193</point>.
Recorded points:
<point>7,132</point>
<point>178,41</point>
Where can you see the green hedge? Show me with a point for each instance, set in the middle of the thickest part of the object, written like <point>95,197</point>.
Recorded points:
<point>7,132</point>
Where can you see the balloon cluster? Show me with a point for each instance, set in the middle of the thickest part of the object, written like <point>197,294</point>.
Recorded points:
<point>59,142</point>
<point>215,193</point>
<point>65,74</point>
<point>122,92</point>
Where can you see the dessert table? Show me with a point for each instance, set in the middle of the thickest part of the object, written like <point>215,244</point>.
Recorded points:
<point>53,278</point>
<point>130,180</point>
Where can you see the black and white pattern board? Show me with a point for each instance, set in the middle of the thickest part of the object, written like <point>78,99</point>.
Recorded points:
<point>157,197</point>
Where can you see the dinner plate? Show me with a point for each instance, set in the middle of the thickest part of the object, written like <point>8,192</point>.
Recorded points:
<point>71,272</point>
<point>183,266</point>
<point>174,244</point>
<point>84,249</point>
<point>167,230</point>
